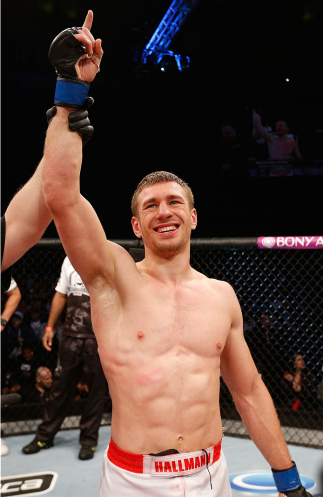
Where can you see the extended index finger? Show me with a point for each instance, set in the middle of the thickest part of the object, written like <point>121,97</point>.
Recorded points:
<point>88,20</point>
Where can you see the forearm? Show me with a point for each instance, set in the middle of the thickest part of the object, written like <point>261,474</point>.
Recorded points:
<point>260,418</point>
<point>11,304</point>
<point>62,163</point>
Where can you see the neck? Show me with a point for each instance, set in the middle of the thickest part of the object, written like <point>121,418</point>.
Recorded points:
<point>172,269</point>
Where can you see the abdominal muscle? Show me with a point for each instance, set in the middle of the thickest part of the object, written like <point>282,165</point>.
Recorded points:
<point>164,402</point>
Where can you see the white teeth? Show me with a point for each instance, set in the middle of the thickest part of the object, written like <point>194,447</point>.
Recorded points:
<point>166,228</point>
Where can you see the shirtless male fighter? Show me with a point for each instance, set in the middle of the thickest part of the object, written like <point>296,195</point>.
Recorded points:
<point>164,330</point>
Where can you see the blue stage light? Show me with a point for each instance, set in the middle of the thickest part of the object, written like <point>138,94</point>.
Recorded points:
<point>157,47</point>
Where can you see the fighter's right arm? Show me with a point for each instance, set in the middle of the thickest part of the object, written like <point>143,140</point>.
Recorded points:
<point>78,226</point>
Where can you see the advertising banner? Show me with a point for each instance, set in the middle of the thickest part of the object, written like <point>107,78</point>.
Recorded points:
<point>290,242</point>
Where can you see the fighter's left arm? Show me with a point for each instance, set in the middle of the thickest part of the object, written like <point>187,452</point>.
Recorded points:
<point>255,404</point>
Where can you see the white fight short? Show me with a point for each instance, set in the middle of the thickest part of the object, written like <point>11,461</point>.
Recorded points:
<point>177,475</point>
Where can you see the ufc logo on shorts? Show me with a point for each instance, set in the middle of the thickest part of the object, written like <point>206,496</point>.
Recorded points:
<point>31,484</point>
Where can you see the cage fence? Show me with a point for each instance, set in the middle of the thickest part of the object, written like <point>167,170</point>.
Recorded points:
<point>281,297</point>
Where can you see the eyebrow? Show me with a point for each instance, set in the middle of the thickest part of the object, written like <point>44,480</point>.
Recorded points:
<point>169,197</point>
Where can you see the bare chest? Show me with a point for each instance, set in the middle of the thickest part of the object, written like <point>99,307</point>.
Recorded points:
<point>186,321</point>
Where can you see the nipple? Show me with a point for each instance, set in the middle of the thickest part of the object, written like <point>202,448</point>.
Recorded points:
<point>140,335</point>
<point>219,346</point>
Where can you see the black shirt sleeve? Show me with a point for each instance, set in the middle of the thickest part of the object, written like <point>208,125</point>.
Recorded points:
<point>6,275</point>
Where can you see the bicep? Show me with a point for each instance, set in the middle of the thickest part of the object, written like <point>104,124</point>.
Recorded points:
<point>98,261</point>
<point>84,241</point>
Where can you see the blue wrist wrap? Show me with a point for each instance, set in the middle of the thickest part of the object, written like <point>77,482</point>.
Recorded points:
<point>70,93</point>
<point>287,480</point>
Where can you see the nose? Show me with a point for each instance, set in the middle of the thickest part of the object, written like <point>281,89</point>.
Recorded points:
<point>163,210</point>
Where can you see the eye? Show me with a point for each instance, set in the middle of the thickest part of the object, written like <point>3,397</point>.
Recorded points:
<point>150,205</point>
<point>174,202</point>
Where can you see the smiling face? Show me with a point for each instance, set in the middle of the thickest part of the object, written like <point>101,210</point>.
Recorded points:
<point>164,219</point>
<point>281,128</point>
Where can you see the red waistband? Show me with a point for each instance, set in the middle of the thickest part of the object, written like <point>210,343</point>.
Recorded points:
<point>135,462</point>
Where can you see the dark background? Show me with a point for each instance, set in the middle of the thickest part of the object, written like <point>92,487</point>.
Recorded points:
<point>145,120</point>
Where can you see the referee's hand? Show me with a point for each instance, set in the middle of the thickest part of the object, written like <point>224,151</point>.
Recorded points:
<point>48,340</point>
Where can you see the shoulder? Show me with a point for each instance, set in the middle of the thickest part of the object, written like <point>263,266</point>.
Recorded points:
<point>223,287</point>
<point>217,285</point>
<point>228,298</point>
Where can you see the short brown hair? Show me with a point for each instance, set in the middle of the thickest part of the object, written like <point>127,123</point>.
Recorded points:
<point>160,177</point>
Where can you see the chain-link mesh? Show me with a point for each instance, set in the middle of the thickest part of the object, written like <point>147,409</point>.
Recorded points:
<point>36,275</point>
<point>281,297</point>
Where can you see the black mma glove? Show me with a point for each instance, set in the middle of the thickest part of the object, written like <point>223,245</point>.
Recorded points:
<point>79,120</point>
<point>64,53</point>
<point>289,483</point>
<point>299,492</point>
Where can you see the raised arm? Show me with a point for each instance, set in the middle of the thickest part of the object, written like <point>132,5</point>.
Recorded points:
<point>259,129</point>
<point>255,405</point>
<point>27,217</point>
<point>78,226</point>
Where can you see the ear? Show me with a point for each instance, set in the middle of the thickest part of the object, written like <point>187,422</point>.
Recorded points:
<point>193,219</point>
<point>136,227</point>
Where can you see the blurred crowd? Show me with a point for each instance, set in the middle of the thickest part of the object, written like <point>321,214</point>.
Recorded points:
<point>27,367</point>
<point>293,378</point>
